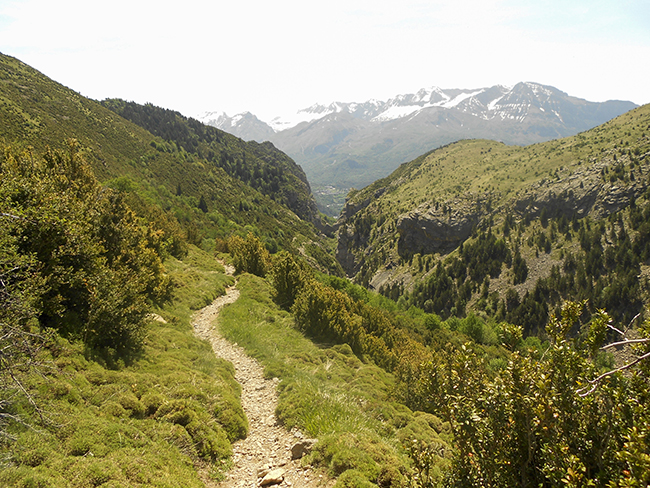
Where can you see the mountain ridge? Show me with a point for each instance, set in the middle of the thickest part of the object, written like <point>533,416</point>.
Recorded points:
<point>398,233</point>
<point>350,145</point>
<point>487,99</point>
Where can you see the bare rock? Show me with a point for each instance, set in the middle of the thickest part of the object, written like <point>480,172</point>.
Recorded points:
<point>301,448</point>
<point>274,477</point>
<point>431,230</point>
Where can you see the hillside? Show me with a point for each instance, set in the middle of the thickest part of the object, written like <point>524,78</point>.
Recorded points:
<point>395,234</point>
<point>204,188</point>
<point>350,145</point>
<point>260,166</point>
<point>441,381</point>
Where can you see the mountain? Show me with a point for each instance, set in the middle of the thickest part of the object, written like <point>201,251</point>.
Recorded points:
<point>440,230</point>
<point>262,166</point>
<point>244,125</point>
<point>210,182</point>
<point>350,145</point>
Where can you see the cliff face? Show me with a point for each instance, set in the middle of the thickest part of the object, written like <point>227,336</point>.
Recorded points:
<point>430,206</point>
<point>434,231</point>
<point>431,230</point>
<point>583,193</point>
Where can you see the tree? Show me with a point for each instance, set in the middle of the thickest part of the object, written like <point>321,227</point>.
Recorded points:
<point>97,266</point>
<point>249,255</point>
<point>519,268</point>
<point>203,205</point>
<point>289,276</point>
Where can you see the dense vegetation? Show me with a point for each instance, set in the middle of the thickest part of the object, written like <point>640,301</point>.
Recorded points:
<point>162,179</point>
<point>485,363</point>
<point>597,261</point>
<point>260,166</point>
<point>549,417</point>
<point>76,255</point>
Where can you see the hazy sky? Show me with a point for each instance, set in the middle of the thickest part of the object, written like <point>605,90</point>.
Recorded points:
<point>274,57</point>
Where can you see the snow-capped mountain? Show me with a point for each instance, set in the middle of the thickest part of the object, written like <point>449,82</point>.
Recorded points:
<point>244,125</point>
<point>352,144</point>
<point>497,102</point>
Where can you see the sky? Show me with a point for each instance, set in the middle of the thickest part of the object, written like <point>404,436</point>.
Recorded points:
<point>276,57</point>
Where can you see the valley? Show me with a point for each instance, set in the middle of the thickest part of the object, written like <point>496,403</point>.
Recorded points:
<point>454,327</point>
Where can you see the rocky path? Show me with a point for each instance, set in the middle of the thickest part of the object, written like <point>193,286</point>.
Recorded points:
<point>264,458</point>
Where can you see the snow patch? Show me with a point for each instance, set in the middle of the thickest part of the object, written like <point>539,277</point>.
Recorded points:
<point>396,113</point>
<point>458,99</point>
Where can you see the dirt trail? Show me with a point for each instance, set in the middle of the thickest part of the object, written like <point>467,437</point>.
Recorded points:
<point>267,448</point>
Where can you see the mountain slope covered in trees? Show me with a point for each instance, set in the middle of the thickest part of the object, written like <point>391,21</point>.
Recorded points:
<point>205,197</point>
<point>261,166</point>
<point>509,231</point>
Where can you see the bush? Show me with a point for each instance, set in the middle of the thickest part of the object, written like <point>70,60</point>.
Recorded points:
<point>97,267</point>
<point>249,255</point>
<point>179,412</point>
<point>151,402</point>
<point>353,479</point>
<point>230,415</point>
<point>210,441</point>
<point>134,407</point>
<point>289,276</point>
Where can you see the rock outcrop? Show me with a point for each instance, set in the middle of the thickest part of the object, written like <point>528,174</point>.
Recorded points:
<point>582,193</point>
<point>430,231</point>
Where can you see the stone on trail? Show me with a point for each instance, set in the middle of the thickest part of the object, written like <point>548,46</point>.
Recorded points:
<point>274,477</point>
<point>301,448</point>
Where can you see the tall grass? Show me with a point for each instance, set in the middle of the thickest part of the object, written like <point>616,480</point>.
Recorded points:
<point>331,394</point>
<point>151,423</point>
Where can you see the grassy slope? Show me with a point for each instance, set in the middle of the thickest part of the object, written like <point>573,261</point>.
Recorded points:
<point>38,112</point>
<point>151,423</point>
<point>490,172</point>
<point>329,393</point>
<point>494,169</point>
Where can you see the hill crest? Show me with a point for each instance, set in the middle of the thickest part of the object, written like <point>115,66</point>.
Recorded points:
<point>350,145</point>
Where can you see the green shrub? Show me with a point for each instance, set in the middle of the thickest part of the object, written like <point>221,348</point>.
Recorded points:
<point>151,401</point>
<point>210,440</point>
<point>114,408</point>
<point>179,412</point>
<point>179,437</point>
<point>230,415</point>
<point>99,472</point>
<point>249,255</point>
<point>32,449</point>
<point>289,276</point>
<point>134,407</point>
<point>80,443</point>
<point>353,479</point>
<point>99,268</point>
<point>368,459</point>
